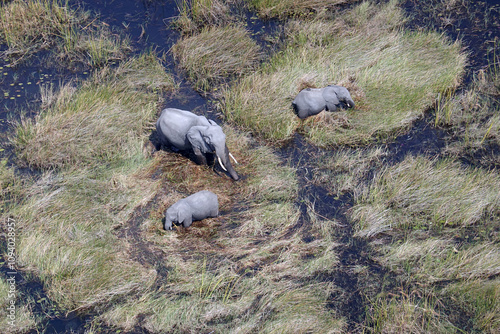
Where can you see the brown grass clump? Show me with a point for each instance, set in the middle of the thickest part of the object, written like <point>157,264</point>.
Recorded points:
<point>215,54</point>
<point>194,15</point>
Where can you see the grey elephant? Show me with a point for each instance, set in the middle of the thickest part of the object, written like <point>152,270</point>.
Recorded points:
<point>312,101</point>
<point>187,131</point>
<point>201,205</point>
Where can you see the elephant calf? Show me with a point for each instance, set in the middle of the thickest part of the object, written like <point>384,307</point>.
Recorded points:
<point>201,205</point>
<point>312,101</point>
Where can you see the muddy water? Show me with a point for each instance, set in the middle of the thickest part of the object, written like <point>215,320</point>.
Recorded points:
<point>147,24</point>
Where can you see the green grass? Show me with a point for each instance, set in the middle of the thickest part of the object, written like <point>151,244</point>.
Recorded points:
<point>422,193</point>
<point>30,26</point>
<point>392,75</point>
<point>197,14</point>
<point>97,123</point>
<point>23,321</point>
<point>274,8</point>
<point>216,54</point>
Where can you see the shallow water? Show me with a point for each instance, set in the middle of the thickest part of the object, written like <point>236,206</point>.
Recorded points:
<point>147,24</point>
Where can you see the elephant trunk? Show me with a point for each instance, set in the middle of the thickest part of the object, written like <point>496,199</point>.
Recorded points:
<point>350,103</point>
<point>225,162</point>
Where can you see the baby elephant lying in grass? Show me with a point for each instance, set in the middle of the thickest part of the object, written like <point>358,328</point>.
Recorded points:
<point>312,101</point>
<point>201,205</point>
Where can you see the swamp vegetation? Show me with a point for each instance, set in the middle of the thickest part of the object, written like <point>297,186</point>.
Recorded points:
<point>334,227</point>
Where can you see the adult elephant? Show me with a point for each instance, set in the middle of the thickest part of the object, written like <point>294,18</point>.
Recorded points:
<point>187,131</point>
<point>312,101</point>
<point>201,205</point>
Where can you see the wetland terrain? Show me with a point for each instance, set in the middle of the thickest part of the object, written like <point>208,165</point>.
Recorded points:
<point>384,218</point>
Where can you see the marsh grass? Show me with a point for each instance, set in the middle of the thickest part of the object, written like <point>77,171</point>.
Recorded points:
<point>244,271</point>
<point>30,26</point>
<point>282,9</point>
<point>481,299</point>
<point>194,15</point>
<point>472,117</point>
<point>96,123</point>
<point>23,320</point>
<point>392,75</point>
<point>421,193</point>
<point>409,313</point>
<point>346,169</point>
<point>216,54</point>
<point>67,219</point>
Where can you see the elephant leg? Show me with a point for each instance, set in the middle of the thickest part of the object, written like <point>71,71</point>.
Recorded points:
<point>187,222</point>
<point>200,156</point>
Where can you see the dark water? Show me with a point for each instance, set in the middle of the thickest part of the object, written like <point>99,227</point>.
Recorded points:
<point>148,25</point>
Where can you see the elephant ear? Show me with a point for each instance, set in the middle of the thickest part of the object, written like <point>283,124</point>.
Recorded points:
<point>331,99</point>
<point>195,138</point>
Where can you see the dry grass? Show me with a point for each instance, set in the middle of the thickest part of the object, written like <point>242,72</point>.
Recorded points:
<point>216,54</point>
<point>247,270</point>
<point>434,260</point>
<point>23,320</point>
<point>407,313</point>
<point>472,118</point>
<point>393,77</point>
<point>30,26</point>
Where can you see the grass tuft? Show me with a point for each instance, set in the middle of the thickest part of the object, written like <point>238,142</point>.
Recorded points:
<point>30,26</point>
<point>216,54</point>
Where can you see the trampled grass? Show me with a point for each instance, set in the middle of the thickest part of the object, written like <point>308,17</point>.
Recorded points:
<point>30,26</point>
<point>216,54</point>
<point>392,75</point>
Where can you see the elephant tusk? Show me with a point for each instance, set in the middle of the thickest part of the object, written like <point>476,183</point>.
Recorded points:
<point>233,158</point>
<point>221,164</point>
